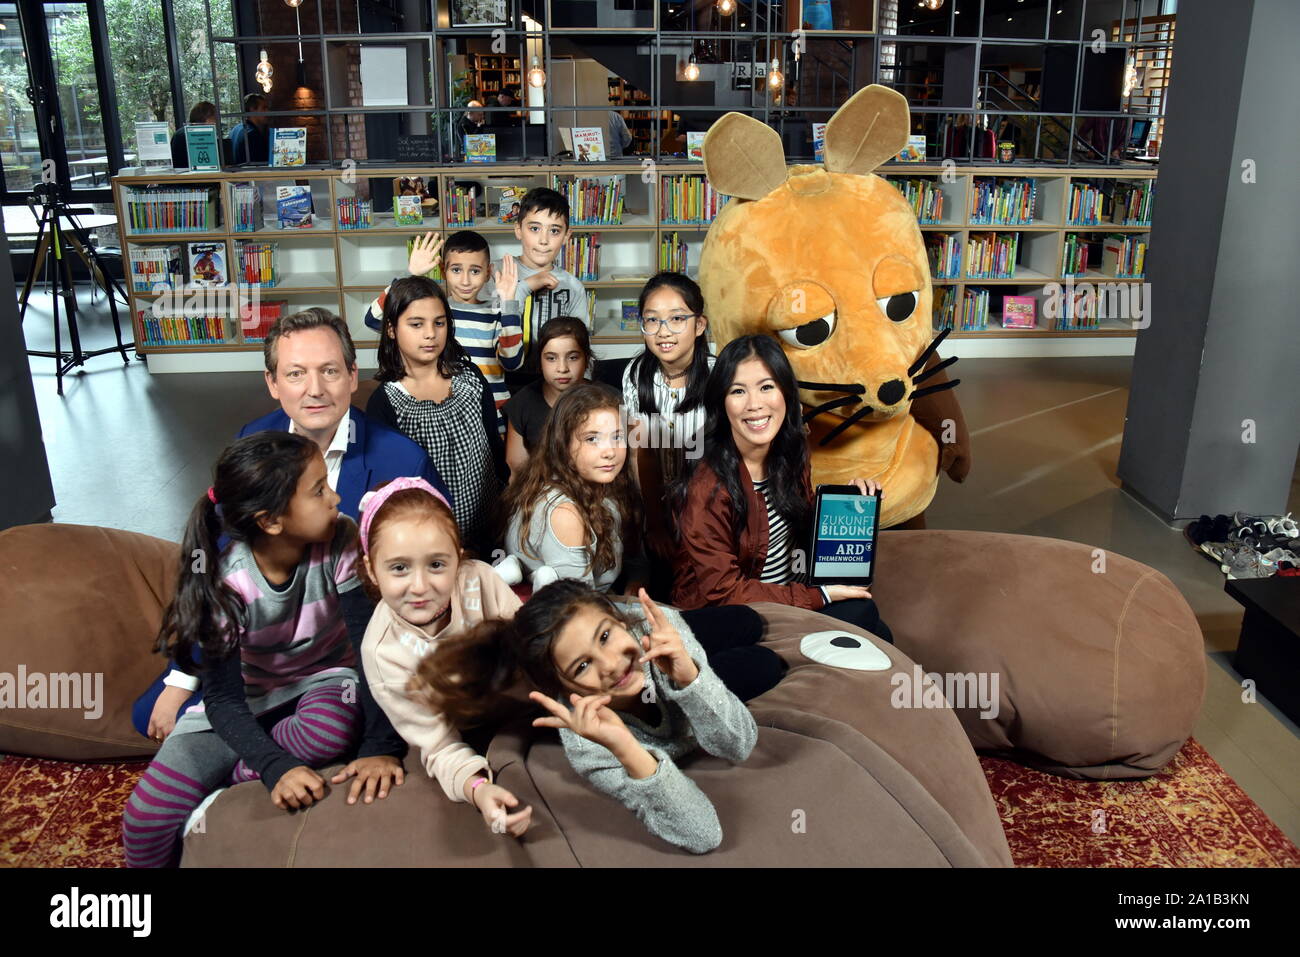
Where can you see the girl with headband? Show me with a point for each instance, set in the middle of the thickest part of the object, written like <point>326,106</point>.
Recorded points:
<point>426,593</point>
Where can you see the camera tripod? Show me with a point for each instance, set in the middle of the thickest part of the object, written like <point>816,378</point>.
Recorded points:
<point>59,232</point>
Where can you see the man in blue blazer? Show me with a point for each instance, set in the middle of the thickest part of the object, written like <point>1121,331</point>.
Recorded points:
<point>311,368</point>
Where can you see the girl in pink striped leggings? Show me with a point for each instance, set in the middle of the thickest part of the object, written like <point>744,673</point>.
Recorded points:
<point>280,689</point>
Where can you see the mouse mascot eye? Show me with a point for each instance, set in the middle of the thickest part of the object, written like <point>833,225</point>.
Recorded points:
<point>899,308</point>
<point>810,333</point>
<point>829,260</point>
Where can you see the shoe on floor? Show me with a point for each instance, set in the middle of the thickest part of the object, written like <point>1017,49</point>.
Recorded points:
<point>1248,563</point>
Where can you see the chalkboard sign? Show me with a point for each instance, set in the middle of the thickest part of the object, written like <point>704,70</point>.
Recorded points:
<point>417,149</point>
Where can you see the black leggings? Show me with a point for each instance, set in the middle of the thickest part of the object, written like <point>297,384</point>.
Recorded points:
<point>861,612</point>
<point>729,635</point>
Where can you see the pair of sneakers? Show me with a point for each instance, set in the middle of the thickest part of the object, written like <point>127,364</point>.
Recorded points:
<point>1239,560</point>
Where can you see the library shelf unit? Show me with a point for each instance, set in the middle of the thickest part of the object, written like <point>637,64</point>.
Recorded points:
<point>344,269</point>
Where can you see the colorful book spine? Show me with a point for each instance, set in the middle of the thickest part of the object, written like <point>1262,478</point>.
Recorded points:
<point>595,201</point>
<point>924,196</point>
<point>945,307</point>
<point>1088,204</point>
<point>259,264</point>
<point>992,255</point>
<point>192,329</point>
<point>974,313</point>
<point>355,214</point>
<point>246,207</point>
<point>944,251</point>
<point>1075,255</point>
<point>157,209</point>
<point>460,206</point>
<point>581,256</point>
<point>689,200</point>
<point>674,254</point>
<point>155,266</point>
<point>1003,202</point>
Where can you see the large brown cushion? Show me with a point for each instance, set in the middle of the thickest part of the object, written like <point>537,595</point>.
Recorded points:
<point>78,599</point>
<point>1100,660</point>
<point>838,777</point>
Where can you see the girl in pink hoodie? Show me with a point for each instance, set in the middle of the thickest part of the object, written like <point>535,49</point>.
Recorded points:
<point>412,565</point>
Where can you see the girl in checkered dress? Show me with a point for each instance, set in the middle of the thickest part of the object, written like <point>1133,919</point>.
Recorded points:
<point>435,395</point>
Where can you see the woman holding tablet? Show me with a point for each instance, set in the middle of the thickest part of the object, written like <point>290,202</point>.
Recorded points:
<point>746,505</point>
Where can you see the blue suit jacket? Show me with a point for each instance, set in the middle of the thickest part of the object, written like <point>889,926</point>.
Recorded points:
<point>376,454</point>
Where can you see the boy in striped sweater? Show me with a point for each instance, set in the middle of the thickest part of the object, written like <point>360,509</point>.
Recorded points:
<point>493,338</point>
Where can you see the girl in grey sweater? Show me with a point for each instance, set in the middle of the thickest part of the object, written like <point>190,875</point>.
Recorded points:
<point>629,689</point>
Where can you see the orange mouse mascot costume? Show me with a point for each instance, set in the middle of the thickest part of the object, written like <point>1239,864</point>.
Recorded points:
<point>830,261</point>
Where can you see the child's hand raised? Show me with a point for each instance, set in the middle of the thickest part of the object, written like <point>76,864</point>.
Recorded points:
<point>424,254</point>
<point>541,280</point>
<point>506,278</point>
<point>298,788</point>
<point>664,645</point>
<point>494,802</point>
<point>591,718</point>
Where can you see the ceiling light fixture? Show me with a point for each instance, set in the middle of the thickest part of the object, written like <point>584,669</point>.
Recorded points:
<point>264,73</point>
<point>536,76</point>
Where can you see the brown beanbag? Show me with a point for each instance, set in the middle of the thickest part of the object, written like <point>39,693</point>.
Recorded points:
<point>81,601</point>
<point>1100,661</point>
<point>838,777</point>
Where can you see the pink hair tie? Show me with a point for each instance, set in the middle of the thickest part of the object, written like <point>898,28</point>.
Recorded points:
<point>371,502</point>
<point>212,495</point>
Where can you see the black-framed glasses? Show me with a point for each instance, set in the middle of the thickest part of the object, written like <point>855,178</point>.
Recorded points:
<point>677,323</point>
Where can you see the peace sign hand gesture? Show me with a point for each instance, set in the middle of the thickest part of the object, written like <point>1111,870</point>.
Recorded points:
<point>591,718</point>
<point>664,645</point>
<point>424,254</point>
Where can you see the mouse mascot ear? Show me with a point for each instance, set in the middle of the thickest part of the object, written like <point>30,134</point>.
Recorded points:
<point>869,129</point>
<point>743,157</point>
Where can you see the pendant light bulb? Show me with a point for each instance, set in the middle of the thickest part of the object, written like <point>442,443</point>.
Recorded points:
<point>264,73</point>
<point>726,7</point>
<point>294,3</point>
<point>775,78</point>
<point>692,71</point>
<point>536,76</point>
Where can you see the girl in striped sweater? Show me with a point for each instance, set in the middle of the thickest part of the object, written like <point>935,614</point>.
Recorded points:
<point>280,685</point>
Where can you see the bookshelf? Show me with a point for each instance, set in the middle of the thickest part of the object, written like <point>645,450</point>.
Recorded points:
<point>344,269</point>
<point>493,73</point>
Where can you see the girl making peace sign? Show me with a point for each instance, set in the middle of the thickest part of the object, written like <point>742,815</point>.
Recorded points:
<point>640,695</point>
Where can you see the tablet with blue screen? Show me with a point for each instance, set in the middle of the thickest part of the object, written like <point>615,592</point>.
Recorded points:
<point>843,547</point>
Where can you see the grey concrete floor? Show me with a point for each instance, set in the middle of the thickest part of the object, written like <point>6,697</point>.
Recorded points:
<point>134,451</point>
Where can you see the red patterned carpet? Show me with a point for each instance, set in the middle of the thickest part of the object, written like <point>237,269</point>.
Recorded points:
<point>1191,814</point>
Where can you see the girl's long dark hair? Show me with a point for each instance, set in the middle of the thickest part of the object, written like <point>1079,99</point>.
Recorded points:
<point>256,475</point>
<point>787,456</point>
<point>465,677</point>
<point>646,363</point>
<point>400,295</point>
<point>550,468</point>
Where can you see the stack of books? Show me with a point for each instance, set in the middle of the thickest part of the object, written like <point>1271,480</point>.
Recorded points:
<point>924,196</point>
<point>945,307</point>
<point>595,201</point>
<point>460,206</point>
<point>688,200</point>
<point>674,253</point>
<point>256,319</point>
<point>246,207</point>
<point>581,256</point>
<point>1133,204</point>
<point>355,214</point>
<point>1003,202</point>
<point>1124,257</point>
<point>974,309</point>
<point>152,266</point>
<point>167,209</point>
<point>259,264</point>
<point>1074,259</point>
<point>1078,310</point>
<point>992,255</point>
<point>944,250</point>
<point>204,328</point>
<point>1087,205</point>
